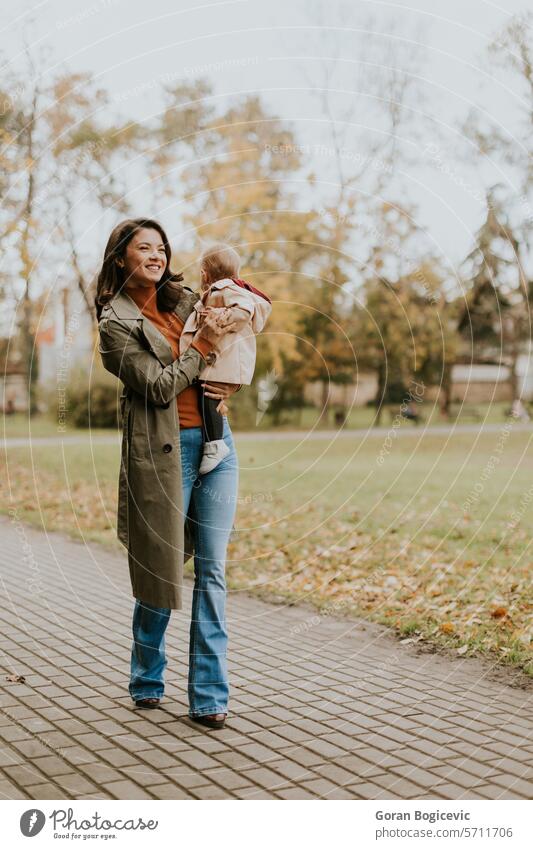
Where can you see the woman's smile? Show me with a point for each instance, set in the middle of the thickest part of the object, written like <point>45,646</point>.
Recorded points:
<point>145,258</point>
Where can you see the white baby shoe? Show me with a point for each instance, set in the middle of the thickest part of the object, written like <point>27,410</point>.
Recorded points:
<point>214,453</point>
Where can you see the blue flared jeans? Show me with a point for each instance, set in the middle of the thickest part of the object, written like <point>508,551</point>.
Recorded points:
<point>214,499</point>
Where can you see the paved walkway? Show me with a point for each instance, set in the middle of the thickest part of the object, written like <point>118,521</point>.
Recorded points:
<point>321,708</point>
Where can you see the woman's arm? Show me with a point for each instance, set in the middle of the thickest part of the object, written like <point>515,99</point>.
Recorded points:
<point>124,356</point>
<point>222,391</point>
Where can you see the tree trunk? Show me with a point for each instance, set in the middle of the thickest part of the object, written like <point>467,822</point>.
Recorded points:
<point>325,399</point>
<point>380,394</point>
<point>445,395</point>
<point>28,335</point>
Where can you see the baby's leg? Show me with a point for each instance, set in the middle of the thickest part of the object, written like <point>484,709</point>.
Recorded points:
<point>215,448</point>
<point>213,423</point>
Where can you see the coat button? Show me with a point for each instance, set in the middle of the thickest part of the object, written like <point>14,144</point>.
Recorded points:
<point>167,447</point>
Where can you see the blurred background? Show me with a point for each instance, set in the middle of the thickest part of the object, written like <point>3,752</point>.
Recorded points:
<point>371,163</point>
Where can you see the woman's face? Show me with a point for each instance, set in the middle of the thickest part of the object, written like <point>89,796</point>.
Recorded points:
<point>145,259</point>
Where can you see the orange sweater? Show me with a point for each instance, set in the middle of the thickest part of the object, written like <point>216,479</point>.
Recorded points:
<point>170,325</point>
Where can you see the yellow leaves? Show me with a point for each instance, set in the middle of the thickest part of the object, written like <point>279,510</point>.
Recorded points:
<point>447,628</point>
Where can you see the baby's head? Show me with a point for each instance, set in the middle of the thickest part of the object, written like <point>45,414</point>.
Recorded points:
<point>218,262</point>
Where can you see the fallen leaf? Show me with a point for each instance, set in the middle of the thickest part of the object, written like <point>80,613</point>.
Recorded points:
<point>16,679</point>
<point>498,612</point>
<point>447,628</point>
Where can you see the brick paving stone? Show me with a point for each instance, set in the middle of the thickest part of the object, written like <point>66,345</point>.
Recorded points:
<point>126,741</point>
<point>455,791</point>
<point>24,775</point>
<point>258,752</point>
<point>512,765</point>
<point>236,760</point>
<point>265,778</point>
<point>10,757</point>
<point>302,756</point>
<point>126,789</point>
<point>184,776</point>
<point>197,760</point>
<point>46,791</point>
<point>293,734</point>
<point>143,775</point>
<point>170,791</point>
<point>9,790</point>
<point>340,793</point>
<point>402,785</point>
<point>338,774</point>
<point>294,793</point>
<point>420,776</point>
<point>368,790</point>
<point>158,759</point>
<point>12,733</point>
<point>325,748</point>
<point>295,771</point>
<point>210,791</point>
<point>210,744</point>
<point>484,771</point>
<point>227,778</point>
<point>458,775</point>
<point>88,714</point>
<point>75,783</point>
<point>440,747</point>
<point>51,765</point>
<point>101,773</point>
<point>514,783</point>
<point>319,786</point>
<point>359,766</point>
<point>77,755</point>
<point>252,792</point>
<point>501,750</point>
<point>418,727</point>
<point>31,748</point>
<point>496,791</point>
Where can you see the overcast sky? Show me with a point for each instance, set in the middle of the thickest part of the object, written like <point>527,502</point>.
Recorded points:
<point>270,47</point>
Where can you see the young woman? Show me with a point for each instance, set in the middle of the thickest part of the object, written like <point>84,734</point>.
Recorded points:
<point>166,511</point>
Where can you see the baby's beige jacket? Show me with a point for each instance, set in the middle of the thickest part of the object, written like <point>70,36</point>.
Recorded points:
<point>236,350</point>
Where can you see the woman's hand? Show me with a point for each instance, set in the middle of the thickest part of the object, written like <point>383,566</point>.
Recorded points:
<point>216,322</point>
<point>222,391</point>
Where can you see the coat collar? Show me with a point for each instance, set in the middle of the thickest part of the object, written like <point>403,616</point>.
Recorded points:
<point>222,284</point>
<point>125,308</point>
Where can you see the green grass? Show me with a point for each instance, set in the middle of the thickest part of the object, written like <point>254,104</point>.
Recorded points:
<point>434,541</point>
<point>19,425</point>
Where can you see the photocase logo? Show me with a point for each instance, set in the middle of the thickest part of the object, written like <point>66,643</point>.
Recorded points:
<point>32,822</point>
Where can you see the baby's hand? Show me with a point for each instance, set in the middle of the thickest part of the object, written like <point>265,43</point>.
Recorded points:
<point>240,316</point>
<point>217,312</point>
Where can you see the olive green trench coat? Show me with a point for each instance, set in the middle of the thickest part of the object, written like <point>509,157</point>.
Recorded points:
<point>150,520</point>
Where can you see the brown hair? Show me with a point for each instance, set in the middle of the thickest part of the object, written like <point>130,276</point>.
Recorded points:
<point>111,276</point>
<point>220,261</point>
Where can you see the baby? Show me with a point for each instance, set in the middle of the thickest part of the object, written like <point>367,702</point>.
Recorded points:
<point>235,356</point>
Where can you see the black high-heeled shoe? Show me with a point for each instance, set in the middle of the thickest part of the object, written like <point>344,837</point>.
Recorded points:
<point>211,720</point>
<point>147,703</point>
